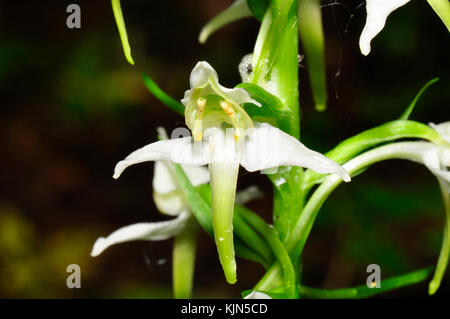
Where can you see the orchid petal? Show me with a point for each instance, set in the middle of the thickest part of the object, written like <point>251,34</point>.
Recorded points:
<point>181,150</point>
<point>166,193</point>
<point>164,181</point>
<point>248,194</point>
<point>171,204</point>
<point>204,74</point>
<point>238,10</point>
<point>269,147</point>
<point>142,231</point>
<point>443,129</point>
<point>434,160</point>
<point>377,13</point>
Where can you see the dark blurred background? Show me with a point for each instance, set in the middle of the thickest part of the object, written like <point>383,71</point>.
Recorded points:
<point>71,107</point>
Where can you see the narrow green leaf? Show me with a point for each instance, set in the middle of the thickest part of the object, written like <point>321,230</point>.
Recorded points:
<point>243,251</point>
<point>442,9</point>
<point>117,9</point>
<point>200,207</point>
<point>268,100</point>
<point>411,106</point>
<point>277,246</point>
<point>271,111</point>
<point>363,291</point>
<point>238,10</point>
<point>162,96</point>
<point>243,231</point>
<point>258,7</point>
<point>387,132</point>
<point>311,34</point>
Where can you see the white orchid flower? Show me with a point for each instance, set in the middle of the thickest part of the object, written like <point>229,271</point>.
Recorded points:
<point>377,13</point>
<point>436,157</point>
<point>169,200</point>
<point>225,137</point>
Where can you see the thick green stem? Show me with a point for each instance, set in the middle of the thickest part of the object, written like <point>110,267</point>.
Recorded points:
<point>183,262</point>
<point>276,69</point>
<point>223,192</point>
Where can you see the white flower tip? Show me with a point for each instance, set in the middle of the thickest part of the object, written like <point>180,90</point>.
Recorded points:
<point>364,46</point>
<point>120,167</point>
<point>377,13</point>
<point>257,295</point>
<point>344,175</point>
<point>99,247</point>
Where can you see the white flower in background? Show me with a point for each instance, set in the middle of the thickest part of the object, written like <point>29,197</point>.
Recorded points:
<point>436,157</point>
<point>225,137</point>
<point>169,200</point>
<point>377,13</point>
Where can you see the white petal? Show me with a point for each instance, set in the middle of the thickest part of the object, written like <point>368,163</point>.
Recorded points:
<point>204,74</point>
<point>222,146</point>
<point>257,295</point>
<point>238,10</point>
<point>197,175</point>
<point>168,197</point>
<point>377,13</point>
<point>164,180</point>
<point>434,160</point>
<point>171,204</point>
<point>181,150</point>
<point>268,147</point>
<point>201,74</point>
<point>248,194</point>
<point>443,129</point>
<point>142,231</point>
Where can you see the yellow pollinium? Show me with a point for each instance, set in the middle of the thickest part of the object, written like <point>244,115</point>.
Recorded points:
<point>200,108</point>
<point>198,128</point>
